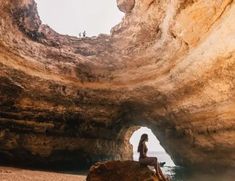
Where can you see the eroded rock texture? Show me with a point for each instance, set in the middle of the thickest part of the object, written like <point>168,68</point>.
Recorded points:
<point>168,65</point>
<point>120,170</point>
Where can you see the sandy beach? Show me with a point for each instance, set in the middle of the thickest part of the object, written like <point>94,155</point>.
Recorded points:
<point>16,174</point>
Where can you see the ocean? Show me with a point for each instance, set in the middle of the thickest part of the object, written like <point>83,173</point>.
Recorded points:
<point>177,173</point>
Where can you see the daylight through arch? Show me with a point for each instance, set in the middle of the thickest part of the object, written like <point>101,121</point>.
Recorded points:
<point>76,16</point>
<point>153,144</point>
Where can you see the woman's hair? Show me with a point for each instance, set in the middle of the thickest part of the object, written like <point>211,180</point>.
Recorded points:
<point>142,139</point>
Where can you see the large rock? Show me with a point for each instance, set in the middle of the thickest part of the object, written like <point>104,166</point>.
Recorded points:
<point>126,5</point>
<point>168,65</point>
<point>120,171</point>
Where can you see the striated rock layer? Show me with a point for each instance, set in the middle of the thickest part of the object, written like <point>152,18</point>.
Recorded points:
<point>168,65</point>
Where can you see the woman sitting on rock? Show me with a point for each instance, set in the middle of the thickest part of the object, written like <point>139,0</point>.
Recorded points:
<point>152,161</point>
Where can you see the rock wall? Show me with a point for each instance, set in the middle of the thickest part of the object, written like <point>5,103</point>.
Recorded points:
<point>168,65</point>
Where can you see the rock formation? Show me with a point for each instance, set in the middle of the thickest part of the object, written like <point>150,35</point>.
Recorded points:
<point>168,65</point>
<point>124,171</point>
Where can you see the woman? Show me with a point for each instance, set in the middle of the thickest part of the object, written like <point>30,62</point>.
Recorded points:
<point>152,161</point>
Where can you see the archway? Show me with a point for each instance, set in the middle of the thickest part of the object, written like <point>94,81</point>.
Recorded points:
<point>77,16</point>
<point>154,149</point>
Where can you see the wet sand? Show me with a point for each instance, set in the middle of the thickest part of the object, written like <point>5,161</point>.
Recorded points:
<point>15,174</point>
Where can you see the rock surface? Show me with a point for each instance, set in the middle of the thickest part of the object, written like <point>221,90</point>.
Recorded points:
<point>126,5</point>
<point>168,65</point>
<point>120,170</point>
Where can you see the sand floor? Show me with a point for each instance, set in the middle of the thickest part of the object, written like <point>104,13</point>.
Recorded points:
<point>15,174</point>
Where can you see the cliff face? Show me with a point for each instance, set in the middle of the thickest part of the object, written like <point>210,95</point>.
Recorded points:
<point>168,65</point>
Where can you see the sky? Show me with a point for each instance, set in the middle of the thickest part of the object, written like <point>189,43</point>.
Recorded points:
<point>153,143</point>
<point>74,16</point>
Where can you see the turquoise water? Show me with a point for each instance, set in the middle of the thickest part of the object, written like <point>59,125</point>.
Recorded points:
<point>177,173</point>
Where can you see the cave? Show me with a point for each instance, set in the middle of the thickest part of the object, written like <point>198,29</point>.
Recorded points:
<point>71,101</point>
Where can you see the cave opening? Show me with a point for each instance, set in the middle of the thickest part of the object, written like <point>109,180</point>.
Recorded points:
<point>77,16</point>
<point>154,147</point>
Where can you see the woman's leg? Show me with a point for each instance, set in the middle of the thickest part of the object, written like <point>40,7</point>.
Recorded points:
<point>152,161</point>
<point>159,172</point>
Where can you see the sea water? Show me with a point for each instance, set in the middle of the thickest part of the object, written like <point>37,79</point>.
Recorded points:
<point>177,173</point>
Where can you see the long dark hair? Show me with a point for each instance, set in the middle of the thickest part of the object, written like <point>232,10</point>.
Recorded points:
<point>143,138</point>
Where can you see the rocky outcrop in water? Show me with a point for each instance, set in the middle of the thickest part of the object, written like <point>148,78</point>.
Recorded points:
<point>168,65</point>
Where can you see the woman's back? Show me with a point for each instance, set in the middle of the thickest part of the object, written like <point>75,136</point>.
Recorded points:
<point>143,150</point>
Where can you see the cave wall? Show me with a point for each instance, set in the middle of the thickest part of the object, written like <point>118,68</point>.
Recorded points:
<point>168,65</point>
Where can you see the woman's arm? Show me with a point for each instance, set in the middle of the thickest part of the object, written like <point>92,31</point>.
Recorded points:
<point>144,150</point>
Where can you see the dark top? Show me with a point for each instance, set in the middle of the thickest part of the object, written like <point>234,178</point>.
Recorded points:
<point>143,150</point>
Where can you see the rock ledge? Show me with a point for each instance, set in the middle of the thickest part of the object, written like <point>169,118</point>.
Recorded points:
<point>120,170</point>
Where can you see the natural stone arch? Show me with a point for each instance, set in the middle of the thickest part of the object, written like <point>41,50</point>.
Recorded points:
<point>172,67</point>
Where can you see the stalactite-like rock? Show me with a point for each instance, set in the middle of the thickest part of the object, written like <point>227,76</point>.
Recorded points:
<point>126,5</point>
<point>168,65</point>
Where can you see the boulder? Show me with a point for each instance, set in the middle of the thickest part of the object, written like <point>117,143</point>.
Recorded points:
<point>126,5</point>
<point>120,171</point>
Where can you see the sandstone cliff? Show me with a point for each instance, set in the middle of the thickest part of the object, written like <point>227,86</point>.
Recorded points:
<point>168,65</point>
